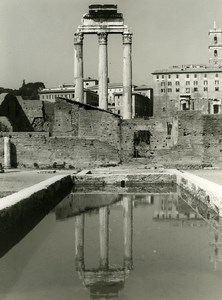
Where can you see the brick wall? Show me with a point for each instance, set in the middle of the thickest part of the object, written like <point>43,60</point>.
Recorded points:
<point>39,150</point>
<point>212,139</point>
<point>84,136</point>
<point>77,119</point>
<point>142,138</point>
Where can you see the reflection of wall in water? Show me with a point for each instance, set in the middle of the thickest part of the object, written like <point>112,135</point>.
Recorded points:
<point>172,207</point>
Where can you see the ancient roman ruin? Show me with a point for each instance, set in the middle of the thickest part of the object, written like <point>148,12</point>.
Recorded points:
<point>103,20</point>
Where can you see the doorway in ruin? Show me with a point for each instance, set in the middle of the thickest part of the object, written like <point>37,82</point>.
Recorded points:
<point>216,109</point>
<point>141,142</point>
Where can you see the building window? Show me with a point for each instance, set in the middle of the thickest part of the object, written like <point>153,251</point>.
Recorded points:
<point>195,75</point>
<point>205,75</point>
<point>216,75</point>
<point>217,88</point>
<point>216,81</point>
<point>162,90</point>
<point>163,83</point>
<point>177,90</point>
<point>42,96</point>
<point>216,109</point>
<point>157,76</point>
<point>187,83</point>
<point>177,76</point>
<point>187,90</point>
<point>215,39</point>
<point>215,53</point>
<point>188,75</point>
<point>162,76</point>
<point>177,83</point>
<point>72,95</point>
<point>205,89</point>
<point>205,82</point>
<point>195,82</point>
<point>195,89</point>
<point>169,83</point>
<point>169,90</point>
<point>169,76</point>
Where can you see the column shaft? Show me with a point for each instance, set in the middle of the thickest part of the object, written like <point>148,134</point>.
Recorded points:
<point>78,66</point>
<point>104,236</point>
<point>7,153</point>
<point>127,77</point>
<point>79,242</point>
<point>103,71</point>
<point>128,232</point>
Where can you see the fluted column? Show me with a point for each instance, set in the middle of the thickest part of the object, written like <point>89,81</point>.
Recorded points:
<point>104,236</point>
<point>79,241</point>
<point>78,66</point>
<point>103,71</point>
<point>7,153</point>
<point>127,76</point>
<point>128,232</point>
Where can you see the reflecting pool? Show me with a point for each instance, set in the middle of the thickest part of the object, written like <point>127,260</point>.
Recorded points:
<point>118,246</point>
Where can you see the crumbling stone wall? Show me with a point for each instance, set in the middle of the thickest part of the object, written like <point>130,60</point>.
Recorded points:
<point>83,136</point>
<point>212,139</point>
<point>38,150</point>
<point>85,121</point>
<point>142,138</point>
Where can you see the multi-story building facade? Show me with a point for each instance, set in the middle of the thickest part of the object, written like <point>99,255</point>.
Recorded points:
<point>68,91</point>
<point>191,87</point>
<point>142,104</point>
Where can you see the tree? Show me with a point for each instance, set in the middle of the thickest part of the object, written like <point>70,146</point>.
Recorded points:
<point>30,90</point>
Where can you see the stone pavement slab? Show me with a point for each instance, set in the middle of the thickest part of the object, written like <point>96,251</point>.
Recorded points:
<point>212,175</point>
<point>15,180</point>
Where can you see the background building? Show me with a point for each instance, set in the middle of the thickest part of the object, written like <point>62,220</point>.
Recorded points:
<point>194,86</point>
<point>68,91</point>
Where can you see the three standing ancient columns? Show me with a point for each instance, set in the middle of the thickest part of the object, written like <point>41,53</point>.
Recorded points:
<point>126,110</point>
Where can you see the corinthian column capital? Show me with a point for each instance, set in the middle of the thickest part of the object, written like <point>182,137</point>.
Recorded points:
<point>78,38</point>
<point>102,38</point>
<point>127,38</point>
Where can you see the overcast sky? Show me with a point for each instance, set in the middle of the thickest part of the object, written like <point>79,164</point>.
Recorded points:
<point>36,38</point>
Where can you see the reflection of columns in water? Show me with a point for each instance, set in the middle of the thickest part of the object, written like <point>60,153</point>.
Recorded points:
<point>79,242</point>
<point>128,231</point>
<point>127,77</point>
<point>104,236</point>
<point>103,71</point>
<point>78,66</point>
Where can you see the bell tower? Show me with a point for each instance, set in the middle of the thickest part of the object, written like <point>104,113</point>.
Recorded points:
<point>215,46</point>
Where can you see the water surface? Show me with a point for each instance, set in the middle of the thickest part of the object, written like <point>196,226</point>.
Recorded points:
<point>118,246</point>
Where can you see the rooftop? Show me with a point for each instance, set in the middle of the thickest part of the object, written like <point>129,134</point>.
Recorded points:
<point>192,68</point>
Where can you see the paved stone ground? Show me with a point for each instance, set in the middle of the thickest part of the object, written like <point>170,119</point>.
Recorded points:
<point>212,175</point>
<point>15,180</point>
